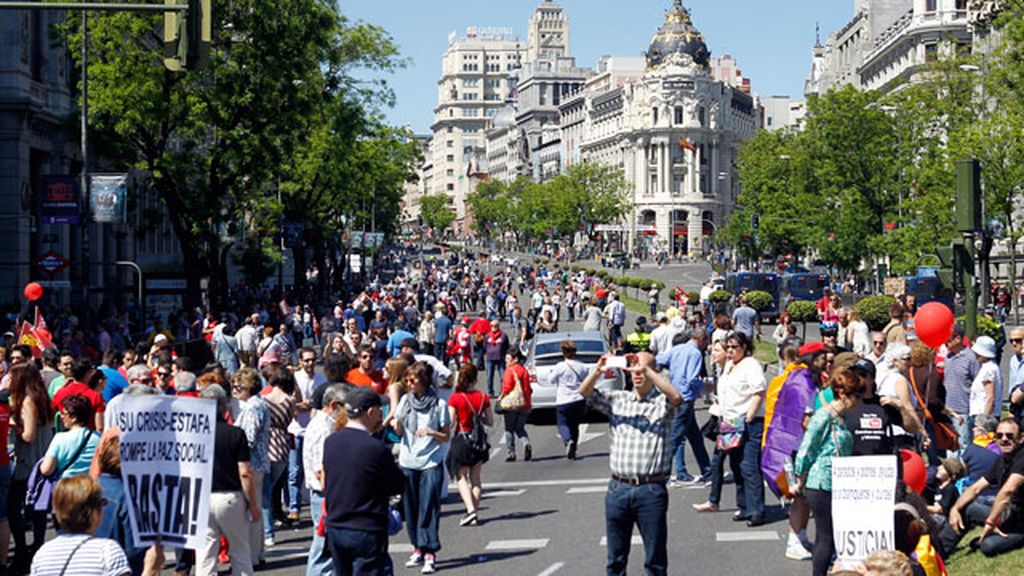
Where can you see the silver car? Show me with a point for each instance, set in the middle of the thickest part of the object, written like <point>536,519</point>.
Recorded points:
<point>546,352</point>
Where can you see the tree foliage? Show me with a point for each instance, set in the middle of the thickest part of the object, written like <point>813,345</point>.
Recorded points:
<point>586,194</point>
<point>276,127</point>
<point>436,213</point>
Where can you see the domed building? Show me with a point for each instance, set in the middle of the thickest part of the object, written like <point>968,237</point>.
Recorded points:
<point>675,130</point>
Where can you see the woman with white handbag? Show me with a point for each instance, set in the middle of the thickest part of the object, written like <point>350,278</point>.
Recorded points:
<point>515,403</point>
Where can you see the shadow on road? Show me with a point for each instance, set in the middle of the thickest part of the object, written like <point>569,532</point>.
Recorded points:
<point>481,559</point>
<point>518,516</point>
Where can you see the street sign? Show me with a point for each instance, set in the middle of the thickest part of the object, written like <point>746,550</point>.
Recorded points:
<point>55,283</point>
<point>51,263</point>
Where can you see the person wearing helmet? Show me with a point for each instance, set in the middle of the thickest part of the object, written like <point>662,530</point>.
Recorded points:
<point>830,337</point>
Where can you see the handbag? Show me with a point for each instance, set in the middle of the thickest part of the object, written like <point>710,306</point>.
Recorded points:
<point>946,437</point>
<point>514,400</point>
<point>40,486</point>
<point>730,436</point>
<point>710,428</point>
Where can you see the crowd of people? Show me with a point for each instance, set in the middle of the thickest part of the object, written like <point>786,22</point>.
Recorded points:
<point>366,408</point>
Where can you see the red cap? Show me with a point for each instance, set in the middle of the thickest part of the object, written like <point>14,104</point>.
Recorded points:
<point>810,348</point>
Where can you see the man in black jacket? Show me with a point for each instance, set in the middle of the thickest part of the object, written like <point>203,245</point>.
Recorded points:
<point>359,476</point>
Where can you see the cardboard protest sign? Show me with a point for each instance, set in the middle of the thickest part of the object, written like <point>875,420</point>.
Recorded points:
<point>167,467</point>
<point>863,506</point>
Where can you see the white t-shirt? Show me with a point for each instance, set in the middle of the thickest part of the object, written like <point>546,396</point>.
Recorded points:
<point>307,385</point>
<point>661,338</point>
<point>888,387</point>
<point>989,372</point>
<point>738,386</point>
<point>96,557</point>
<point>567,376</point>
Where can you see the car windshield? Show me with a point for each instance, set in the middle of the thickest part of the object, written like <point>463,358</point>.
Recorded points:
<point>552,360</point>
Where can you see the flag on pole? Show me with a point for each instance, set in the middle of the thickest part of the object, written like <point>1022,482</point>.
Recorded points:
<point>685,144</point>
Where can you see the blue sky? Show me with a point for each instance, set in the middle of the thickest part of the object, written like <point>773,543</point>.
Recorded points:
<point>771,40</point>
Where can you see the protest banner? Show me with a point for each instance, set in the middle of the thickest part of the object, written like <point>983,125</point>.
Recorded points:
<point>167,467</point>
<point>863,506</point>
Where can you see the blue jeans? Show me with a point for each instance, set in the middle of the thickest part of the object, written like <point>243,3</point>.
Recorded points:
<point>715,469</point>
<point>356,552</point>
<point>276,470</point>
<point>684,427</point>
<point>422,503</point>
<point>567,417</point>
<point>745,462</point>
<point>644,506</point>
<point>296,478</point>
<point>515,427</point>
<point>319,562</point>
<point>440,349</point>
<point>494,368</point>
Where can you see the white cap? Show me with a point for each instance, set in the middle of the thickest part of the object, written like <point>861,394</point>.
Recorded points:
<point>159,338</point>
<point>985,347</point>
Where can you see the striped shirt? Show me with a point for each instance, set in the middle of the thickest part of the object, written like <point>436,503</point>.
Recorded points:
<point>639,431</point>
<point>280,417</point>
<point>96,557</point>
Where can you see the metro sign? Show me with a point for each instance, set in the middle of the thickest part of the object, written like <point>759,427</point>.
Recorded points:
<point>51,263</point>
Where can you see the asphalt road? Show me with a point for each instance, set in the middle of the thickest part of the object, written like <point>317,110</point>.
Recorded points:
<point>546,517</point>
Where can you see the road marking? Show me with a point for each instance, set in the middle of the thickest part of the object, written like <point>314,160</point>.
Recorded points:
<point>400,548</point>
<point>746,536</point>
<point>541,483</point>
<point>586,436</point>
<point>504,493</point>
<point>552,569</point>
<point>517,544</point>
<point>587,489</point>
<point>634,540</point>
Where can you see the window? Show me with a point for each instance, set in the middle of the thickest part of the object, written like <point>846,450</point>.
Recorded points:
<point>470,112</point>
<point>654,116</point>
<point>495,68</point>
<point>654,185</point>
<point>769,121</point>
<point>677,115</point>
<point>961,4</point>
<point>701,116</point>
<point>450,158</point>
<point>449,172</point>
<point>931,52</point>
<point>930,5</point>
<point>492,82</point>
<point>491,112</point>
<point>450,144</point>
<point>490,97</point>
<point>450,187</point>
<point>469,95</point>
<point>470,82</point>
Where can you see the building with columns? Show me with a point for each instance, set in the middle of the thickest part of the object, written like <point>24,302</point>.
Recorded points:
<point>887,42</point>
<point>675,130</point>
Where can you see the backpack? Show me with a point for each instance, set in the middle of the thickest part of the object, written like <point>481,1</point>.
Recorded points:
<point>476,439</point>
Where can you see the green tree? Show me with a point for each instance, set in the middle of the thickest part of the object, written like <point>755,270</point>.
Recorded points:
<point>213,141</point>
<point>436,213</point>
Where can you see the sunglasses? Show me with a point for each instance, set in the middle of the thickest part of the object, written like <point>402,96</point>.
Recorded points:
<point>1016,340</point>
<point>732,347</point>
<point>1006,435</point>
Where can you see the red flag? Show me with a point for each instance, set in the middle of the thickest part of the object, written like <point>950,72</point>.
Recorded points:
<point>35,337</point>
<point>685,144</point>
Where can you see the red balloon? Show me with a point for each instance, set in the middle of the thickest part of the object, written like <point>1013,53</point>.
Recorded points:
<point>914,474</point>
<point>933,324</point>
<point>33,291</point>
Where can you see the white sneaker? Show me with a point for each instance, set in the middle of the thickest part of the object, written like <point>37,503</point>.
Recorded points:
<point>268,542</point>
<point>428,565</point>
<point>796,551</point>
<point>415,559</point>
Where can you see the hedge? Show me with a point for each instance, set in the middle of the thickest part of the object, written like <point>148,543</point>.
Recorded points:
<point>986,327</point>
<point>802,311</point>
<point>759,300</point>
<point>720,296</point>
<point>874,310</point>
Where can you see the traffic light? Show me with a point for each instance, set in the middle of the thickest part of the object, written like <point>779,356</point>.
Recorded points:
<point>755,221</point>
<point>188,35</point>
<point>947,272</point>
<point>968,196</point>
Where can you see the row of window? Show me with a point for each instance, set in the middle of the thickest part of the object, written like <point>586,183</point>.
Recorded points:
<point>677,116</point>
<point>475,82</point>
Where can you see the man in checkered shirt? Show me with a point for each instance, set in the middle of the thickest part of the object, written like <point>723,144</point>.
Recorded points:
<point>640,422</point>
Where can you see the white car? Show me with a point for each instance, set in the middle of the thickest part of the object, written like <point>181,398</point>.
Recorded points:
<point>546,352</point>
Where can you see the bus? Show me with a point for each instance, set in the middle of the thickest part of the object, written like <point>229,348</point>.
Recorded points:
<point>803,287</point>
<point>741,282</point>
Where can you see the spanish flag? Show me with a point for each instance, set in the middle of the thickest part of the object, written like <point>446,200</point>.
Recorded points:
<point>685,144</point>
